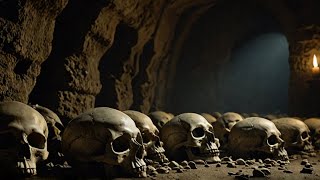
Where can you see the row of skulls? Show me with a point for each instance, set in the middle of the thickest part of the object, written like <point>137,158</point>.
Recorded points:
<point>127,140</point>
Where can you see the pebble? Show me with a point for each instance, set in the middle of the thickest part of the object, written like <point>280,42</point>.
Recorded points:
<point>267,161</point>
<point>305,156</point>
<point>308,165</point>
<point>199,161</point>
<point>268,165</point>
<point>260,161</point>
<point>314,163</point>
<point>231,165</point>
<point>179,170</point>
<point>218,165</point>
<point>287,171</point>
<point>258,173</point>
<point>250,162</point>
<point>174,164</point>
<point>186,167</point>
<point>231,173</point>
<point>306,170</point>
<point>206,165</point>
<point>183,163</point>
<point>304,162</point>
<point>266,171</point>
<point>225,160</point>
<point>240,162</point>
<point>242,177</point>
<point>163,170</point>
<point>192,165</point>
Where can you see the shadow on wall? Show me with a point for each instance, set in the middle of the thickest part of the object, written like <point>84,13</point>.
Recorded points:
<point>235,59</point>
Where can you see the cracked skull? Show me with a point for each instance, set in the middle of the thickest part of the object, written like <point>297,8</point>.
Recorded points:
<point>295,133</point>
<point>23,138</point>
<point>105,135</point>
<point>190,136</point>
<point>223,126</point>
<point>150,136</point>
<point>314,126</point>
<point>256,137</point>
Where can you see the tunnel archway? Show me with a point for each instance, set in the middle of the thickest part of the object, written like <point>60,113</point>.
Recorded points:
<point>231,39</point>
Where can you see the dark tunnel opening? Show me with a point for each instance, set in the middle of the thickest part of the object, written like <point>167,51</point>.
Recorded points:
<point>237,63</point>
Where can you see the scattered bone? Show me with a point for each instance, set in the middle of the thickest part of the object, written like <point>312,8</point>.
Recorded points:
<point>288,171</point>
<point>240,162</point>
<point>304,161</point>
<point>266,171</point>
<point>231,165</point>
<point>192,165</point>
<point>218,165</point>
<point>184,163</point>
<point>199,161</point>
<point>163,170</point>
<point>258,173</point>
<point>306,170</point>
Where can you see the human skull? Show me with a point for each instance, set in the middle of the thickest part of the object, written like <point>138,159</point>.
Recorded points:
<point>314,126</point>
<point>209,118</point>
<point>159,118</point>
<point>295,134</point>
<point>223,126</point>
<point>55,127</point>
<point>270,116</point>
<point>105,135</point>
<point>216,114</point>
<point>256,137</point>
<point>150,136</point>
<point>190,136</point>
<point>23,138</point>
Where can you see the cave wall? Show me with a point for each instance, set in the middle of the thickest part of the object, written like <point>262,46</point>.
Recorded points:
<point>71,55</point>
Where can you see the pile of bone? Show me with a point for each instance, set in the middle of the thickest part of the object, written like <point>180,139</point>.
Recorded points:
<point>107,142</point>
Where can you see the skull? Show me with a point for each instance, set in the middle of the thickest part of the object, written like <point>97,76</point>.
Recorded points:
<point>108,136</point>
<point>223,126</point>
<point>314,126</point>
<point>190,136</point>
<point>55,127</point>
<point>150,136</point>
<point>295,133</point>
<point>256,137</point>
<point>209,117</point>
<point>245,115</point>
<point>270,116</point>
<point>23,138</point>
<point>216,114</point>
<point>159,118</point>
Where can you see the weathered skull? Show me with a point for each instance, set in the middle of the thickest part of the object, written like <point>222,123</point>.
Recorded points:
<point>190,136</point>
<point>108,136</point>
<point>55,127</point>
<point>295,134</point>
<point>150,136</point>
<point>314,126</point>
<point>270,116</point>
<point>209,117</point>
<point>159,118</point>
<point>256,137</point>
<point>216,114</point>
<point>23,138</point>
<point>223,126</point>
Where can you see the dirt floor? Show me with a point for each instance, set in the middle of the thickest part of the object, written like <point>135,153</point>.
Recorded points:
<point>277,171</point>
<point>290,171</point>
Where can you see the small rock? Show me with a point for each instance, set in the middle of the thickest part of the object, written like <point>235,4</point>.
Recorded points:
<point>267,161</point>
<point>268,165</point>
<point>186,167</point>
<point>305,156</point>
<point>307,170</point>
<point>169,168</point>
<point>287,171</point>
<point>184,163</point>
<point>314,163</point>
<point>258,173</point>
<point>308,165</point>
<point>163,170</point>
<point>250,162</point>
<point>218,165</point>
<point>304,162</point>
<point>260,161</point>
<point>179,170</point>
<point>192,165</point>
<point>199,161</point>
<point>225,160</point>
<point>266,171</point>
<point>282,168</point>
<point>231,173</point>
<point>313,154</point>
<point>174,164</point>
<point>206,165</point>
<point>240,162</point>
<point>242,177</point>
<point>231,165</point>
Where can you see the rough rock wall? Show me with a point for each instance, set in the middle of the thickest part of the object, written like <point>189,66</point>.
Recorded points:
<point>26,33</point>
<point>91,53</point>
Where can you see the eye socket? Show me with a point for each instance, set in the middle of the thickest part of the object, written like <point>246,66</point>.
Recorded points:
<point>121,144</point>
<point>7,140</point>
<point>198,132</point>
<point>36,140</point>
<point>272,140</point>
<point>145,138</point>
<point>304,135</point>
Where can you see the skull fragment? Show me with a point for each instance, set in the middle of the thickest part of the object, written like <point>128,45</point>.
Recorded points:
<point>23,138</point>
<point>223,126</point>
<point>108,136</point>
<point>314,126</point>
<point>150,136</point>
<point>190,136</point>
<point>256,137</point>
<point>295,133</point>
